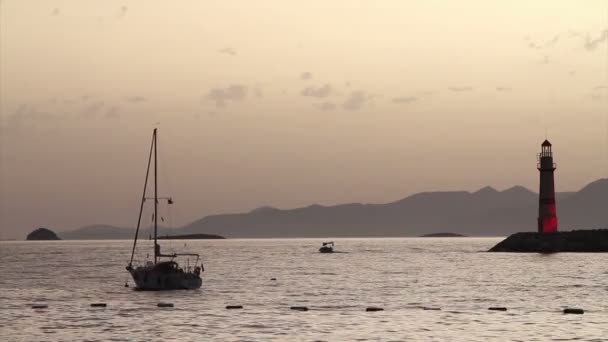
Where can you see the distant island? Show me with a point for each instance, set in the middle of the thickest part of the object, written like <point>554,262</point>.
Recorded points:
<point>443,235</point>
<point>191,237</point>
<point>42,234</point>
<point>577,241</point>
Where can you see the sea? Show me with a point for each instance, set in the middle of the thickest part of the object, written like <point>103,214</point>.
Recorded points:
<point>430,289</point>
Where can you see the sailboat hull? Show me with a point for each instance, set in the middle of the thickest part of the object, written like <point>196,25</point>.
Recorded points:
<point>152,279</point>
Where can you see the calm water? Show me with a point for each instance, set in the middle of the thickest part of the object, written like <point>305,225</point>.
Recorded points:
<point>400,275</point>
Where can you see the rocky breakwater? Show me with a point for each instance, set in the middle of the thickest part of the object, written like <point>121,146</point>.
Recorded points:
<point>576,241</point>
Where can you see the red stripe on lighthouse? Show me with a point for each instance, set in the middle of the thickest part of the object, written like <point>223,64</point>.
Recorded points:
<point>550,223</point>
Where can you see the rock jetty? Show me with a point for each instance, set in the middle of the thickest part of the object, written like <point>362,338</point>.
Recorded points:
<point>576,241</point>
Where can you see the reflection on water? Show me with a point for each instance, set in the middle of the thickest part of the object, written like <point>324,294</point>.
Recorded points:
<point>400,275</point>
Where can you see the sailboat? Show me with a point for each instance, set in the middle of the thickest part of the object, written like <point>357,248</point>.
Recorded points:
<point>164,273</point>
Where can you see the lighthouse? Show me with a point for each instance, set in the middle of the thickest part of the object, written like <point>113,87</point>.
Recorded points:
<point>547,214</point>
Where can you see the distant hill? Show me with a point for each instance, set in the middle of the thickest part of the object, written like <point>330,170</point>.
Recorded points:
<point>486,212</point>
<point>107,232</point>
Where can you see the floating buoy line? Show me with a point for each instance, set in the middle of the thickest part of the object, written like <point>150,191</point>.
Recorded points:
<point>566,310</point>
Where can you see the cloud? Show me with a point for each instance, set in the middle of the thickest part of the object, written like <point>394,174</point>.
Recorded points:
<point>405,99</point>
<point>112,113</point>
<point>598,93</point>
<point>321,92</point>
<point>123,11</point>
<point>542,44</point>
<point>25,117</point>
<point>460,88</point>
<point>553,41</point>
<point>305,75</point>
<point>232,93</point>
<point>592,43</point>
<point>425,92</point>
<point>500,88</point>
<point>356,100</point>
<point>92,109</point>
<point>135,99</point>
<point>227,51</point>
<point>326,106</point>
<point>545,60</point>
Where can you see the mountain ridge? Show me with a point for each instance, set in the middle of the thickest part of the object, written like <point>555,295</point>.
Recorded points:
<point>485,212</point>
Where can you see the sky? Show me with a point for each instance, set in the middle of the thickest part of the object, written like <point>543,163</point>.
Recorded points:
<point>288,103</point>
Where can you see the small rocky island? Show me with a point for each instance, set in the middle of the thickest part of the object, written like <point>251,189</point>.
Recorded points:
<point>443,235</point>
<point>42,234</point>
<point>577,241</point>
<point>191,237</point>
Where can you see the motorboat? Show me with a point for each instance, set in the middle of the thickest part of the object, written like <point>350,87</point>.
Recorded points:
<point>328,247</point>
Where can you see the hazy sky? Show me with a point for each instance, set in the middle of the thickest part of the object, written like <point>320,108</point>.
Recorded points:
<point>288,103</point>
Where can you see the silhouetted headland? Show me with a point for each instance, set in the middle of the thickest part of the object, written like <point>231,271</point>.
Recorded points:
<point>578,241</point>
<point>443,235</point>
<point>191,237</point>
<point>42,234</point>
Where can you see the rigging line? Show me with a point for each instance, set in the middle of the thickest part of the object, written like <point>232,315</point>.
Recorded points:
<point>161,212</point>
<point>143,198</point>
<point>164,174</point>
<point>170,211</point>
<point>605,33</point>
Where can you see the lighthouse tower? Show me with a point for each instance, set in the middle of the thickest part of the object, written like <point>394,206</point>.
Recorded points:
<point>547,214</point>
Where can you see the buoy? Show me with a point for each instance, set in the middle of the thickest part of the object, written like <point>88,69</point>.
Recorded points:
<point>234,307</point>
<point>98,305</point>
<point>430,308</point>
<point>574,311</point>
<point>39,306</point>
<point>165,305</point>
<point>497,308</point>
<point>374,308</point>
<point>299,308</point>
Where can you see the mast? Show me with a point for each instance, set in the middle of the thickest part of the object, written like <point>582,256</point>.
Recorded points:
<point>143,199</point>
<point>156,247</point>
